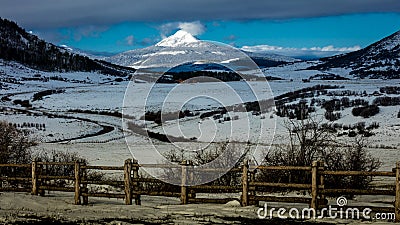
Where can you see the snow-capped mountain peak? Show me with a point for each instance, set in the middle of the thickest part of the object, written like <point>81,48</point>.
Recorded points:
<point>182,47</point>
<point>180,38</point>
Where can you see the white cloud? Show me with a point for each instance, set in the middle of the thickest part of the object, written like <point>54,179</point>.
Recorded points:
<point>331,48</point>
<point>313,52</point>
<point>130,40</point>
<point>88,31</point>
<point>231,37</point>
<point>63,13</point>
<point>194,28</point>
<point>262,48</point>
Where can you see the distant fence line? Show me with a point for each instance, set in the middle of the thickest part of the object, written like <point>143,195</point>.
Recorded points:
<point>39,182</point>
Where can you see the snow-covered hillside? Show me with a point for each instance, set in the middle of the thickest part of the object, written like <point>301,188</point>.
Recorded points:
<point>88,106</point>
<point>378,60</point>
<point>23,47</point>
<point>100,101</point>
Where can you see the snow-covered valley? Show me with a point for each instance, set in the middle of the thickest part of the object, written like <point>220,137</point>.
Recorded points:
<point>56,118</point>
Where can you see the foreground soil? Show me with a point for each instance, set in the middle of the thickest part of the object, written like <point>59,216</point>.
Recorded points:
<point>58,208</point>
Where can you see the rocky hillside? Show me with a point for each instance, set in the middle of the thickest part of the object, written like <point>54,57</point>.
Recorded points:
<point>20,46</point>
<point>378,60</point>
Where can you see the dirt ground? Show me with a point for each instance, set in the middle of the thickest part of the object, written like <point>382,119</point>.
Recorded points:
<point>58,208</point>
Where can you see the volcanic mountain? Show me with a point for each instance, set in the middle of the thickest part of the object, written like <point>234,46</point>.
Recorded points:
<point>181,48</point>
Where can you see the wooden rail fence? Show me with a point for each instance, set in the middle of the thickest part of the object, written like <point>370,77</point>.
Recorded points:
<point>37,178</point>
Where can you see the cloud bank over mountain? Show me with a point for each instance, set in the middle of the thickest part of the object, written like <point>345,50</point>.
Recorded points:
<point>305,53</point>
<point>194,28</point>
<point>46,13</point>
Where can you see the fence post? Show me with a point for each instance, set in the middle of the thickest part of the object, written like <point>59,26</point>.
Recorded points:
<point>191,192</point>
<point>128,181</point>
<point>314,185</point>
<point>85,188</point>
<point>253,193</point>
<point>397,201</point>
<point>245,184</point>
<point>322,180</point>
<point>35,183</point>
<point>77,183</point>
<point>184,191</point>
<point>41,169</point>
<point>136,184</point>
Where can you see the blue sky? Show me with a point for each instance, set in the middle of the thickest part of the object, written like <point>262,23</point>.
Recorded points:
<point>273,25</point>
<point>340,31</point>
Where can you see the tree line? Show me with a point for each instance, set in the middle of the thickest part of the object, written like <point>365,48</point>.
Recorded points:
<point>18,45</point>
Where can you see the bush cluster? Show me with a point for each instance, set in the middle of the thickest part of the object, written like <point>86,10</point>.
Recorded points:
<point>308,141</point>
<point>365,111</point>
<point>39,95</point>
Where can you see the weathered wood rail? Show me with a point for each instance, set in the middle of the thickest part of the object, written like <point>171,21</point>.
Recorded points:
<point>35,178</point>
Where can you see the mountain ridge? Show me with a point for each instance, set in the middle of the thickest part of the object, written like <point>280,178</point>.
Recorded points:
<point>378,60</point>
<point>16,44</point>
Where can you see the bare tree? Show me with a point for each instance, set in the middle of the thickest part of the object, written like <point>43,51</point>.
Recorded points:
<point>14,144</point>
<point>309,140</point>
<point>15,147</point>
<point>353,157</point>
<point>223,155</point>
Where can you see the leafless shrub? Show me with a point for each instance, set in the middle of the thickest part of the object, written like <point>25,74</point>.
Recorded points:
<point>231,159</point>
<point>157,186</point>
<point>351,158</point>
<point>64,170</point>
<point>14,144</point>
<point>14,148</point>
<point>308,141</point>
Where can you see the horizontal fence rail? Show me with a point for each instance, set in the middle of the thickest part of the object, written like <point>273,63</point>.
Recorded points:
<point>39,177</point>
